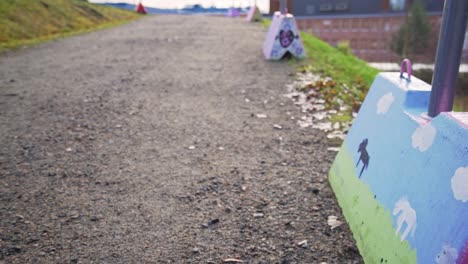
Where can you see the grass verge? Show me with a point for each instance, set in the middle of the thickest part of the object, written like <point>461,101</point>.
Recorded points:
<point>342,68</point>
<point>25,22</point>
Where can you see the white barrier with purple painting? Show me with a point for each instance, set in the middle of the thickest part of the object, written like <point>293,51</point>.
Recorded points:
<point>233,12</point>
<point>254,14</point>
<point>283,37</point>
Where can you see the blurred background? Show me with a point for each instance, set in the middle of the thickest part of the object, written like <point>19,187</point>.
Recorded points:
<point>381,32</point>
<point>264,5</point>
<point>373,30</point>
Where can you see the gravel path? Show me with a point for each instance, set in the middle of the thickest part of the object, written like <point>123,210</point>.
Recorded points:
<point>97,162</point>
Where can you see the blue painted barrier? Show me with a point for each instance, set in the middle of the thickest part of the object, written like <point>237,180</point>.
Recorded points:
<point>401,177</point>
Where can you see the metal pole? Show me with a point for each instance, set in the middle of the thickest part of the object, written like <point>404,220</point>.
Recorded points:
<point>283,6</point>
<point>449,50</point>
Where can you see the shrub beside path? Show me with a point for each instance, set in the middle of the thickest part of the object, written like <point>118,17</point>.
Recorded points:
<point>143,144</point>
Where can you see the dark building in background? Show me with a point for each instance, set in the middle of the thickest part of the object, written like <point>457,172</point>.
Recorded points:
<point>356,7</point>
<point>368,25</point>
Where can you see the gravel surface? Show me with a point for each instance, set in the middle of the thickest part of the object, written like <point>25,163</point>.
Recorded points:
<point>137,145</point>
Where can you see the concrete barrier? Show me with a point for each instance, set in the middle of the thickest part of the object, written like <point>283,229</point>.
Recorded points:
<point>140,9</point>
<point>282,37</point>
<point>254,14</point>
<point>233,12</point>
<point>401,177</point>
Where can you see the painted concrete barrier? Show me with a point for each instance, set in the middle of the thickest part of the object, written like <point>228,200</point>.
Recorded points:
<point>401,177</point>
<point>254,14</point>
<point>233,12</point>
<point>140,9</point>
<point>282,37</point>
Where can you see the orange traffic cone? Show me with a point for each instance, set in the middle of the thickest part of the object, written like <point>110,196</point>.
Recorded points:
<point>140,9</point>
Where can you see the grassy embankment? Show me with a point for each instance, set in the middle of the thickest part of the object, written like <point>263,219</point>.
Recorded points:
<point>27,22</point>
<point>352,77</point>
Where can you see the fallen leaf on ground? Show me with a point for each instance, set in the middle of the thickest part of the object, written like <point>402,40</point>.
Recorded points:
<point>333,222</point>
<point>319,115</point>
<point>335,149</point>
<point>336,134</point>
<point>232,260</point>
<point>303,243</point>
<point>304,123</point>
<point>325,126</point>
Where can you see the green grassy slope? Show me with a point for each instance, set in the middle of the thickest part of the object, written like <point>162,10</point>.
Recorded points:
<point>30,21</point>
<point>329,61</point>
<point>352,77</point>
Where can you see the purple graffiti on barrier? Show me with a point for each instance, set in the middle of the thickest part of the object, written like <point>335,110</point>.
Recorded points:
<point>463,257</point>
<point>286,38</point>
<point>283,37</point>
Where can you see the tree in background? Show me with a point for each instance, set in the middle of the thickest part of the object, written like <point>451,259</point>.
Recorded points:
<point>413,36</point>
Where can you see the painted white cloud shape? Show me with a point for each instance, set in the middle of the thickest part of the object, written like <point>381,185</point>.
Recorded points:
<point>460,184</point>
<point>448,255</point>
<point>423,137</point>
<point>384,103</point>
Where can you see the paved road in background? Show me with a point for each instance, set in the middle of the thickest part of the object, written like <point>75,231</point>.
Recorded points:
<point>140,144</point>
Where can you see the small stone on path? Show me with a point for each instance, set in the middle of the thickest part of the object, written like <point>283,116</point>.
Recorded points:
<point>210,223</point>
<point>258,215</point>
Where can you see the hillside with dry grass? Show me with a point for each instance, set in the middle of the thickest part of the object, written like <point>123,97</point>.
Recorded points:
<point>26,21</point>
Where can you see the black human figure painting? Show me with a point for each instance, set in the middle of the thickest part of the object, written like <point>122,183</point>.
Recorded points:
<point>364,156</point>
